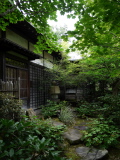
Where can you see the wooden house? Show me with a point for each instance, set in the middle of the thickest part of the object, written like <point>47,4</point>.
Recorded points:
<point>20,66</point>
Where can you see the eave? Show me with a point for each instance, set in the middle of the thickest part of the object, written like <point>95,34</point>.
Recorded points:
<point>8,45</point>
<point>25,29</point>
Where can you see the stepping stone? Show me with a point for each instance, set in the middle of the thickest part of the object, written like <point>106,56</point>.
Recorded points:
<point>81,127</point>
<point>87,153</point>
<point>73,136</point>
<point>55,123</point>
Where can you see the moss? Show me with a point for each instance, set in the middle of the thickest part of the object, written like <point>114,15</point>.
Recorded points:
<point>71,153</point>
<point>114,153</point>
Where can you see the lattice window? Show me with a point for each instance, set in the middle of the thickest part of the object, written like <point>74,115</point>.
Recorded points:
<point>36,86</point>
<point>39,85</point>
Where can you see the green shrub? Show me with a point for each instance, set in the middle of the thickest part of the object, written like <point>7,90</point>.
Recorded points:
<point>29,140</point>
<point>102,134</point>
<point>107,106</point>
<point>88,109</point>
<point>111,107</point>
<point>66,115</point>
<point>10,108</point>
<point>52,108</point>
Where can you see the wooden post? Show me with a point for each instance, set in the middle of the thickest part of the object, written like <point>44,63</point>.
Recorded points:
<point>19,88</point>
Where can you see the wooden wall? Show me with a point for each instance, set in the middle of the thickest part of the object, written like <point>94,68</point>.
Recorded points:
<point>2,65</point>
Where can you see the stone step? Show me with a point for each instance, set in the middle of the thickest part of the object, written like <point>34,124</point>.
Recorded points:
<point>87,153</point>
<point>73,136</point>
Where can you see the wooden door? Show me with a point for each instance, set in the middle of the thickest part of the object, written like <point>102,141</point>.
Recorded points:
<point>23,74</point>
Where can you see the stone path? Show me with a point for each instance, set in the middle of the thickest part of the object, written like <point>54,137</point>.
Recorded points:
<point>87,153</point>
<point>73,137</point>
<point>73,144</point>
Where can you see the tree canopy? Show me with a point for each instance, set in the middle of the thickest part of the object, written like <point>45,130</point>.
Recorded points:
<point>98,21</point>
<point>98,26</point>
<point>37,12</point>
<point>96,32</point>
<point>97,35</point>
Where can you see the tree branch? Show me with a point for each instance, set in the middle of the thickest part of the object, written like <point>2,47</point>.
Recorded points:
<point>10,10</point>
<point>21,8</point>
<point>105,46</point>
<point>115,35</point>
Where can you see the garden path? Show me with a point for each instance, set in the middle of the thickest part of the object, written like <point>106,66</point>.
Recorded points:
<point>73,146</point>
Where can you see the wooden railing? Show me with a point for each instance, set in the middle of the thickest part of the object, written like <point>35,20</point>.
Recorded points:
<point>10,87</point>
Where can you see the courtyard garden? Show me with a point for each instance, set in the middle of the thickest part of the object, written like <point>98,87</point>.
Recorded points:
<point>61,131</point>
<point>84,128</point>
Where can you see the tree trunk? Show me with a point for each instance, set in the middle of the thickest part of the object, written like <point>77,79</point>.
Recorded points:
<point>115,87</point>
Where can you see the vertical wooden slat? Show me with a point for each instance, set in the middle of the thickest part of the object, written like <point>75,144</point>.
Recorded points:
<point>19,88</point>
<point>10,87</point>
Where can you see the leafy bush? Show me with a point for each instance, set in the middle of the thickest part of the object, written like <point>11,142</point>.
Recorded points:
<point>110,107</point>
<point>107,106</point>
<point>101,134</point>
<point>10,108</point>
<point>88,109</point>
<point>28,140</point>
<point>52,108</point>
<point>66,115</point>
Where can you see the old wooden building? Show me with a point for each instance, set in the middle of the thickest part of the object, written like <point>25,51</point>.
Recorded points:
<point>20,66</point>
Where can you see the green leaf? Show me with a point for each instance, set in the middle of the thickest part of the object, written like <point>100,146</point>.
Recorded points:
<point>11,153</point>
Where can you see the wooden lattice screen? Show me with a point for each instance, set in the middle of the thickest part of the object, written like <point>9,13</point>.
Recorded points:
<point>39,85</point>
<point>47,82</point>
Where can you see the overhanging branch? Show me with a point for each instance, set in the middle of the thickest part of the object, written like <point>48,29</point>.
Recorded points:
<point>12,9</point>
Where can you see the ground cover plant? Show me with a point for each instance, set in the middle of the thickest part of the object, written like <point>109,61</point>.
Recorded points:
<point>62,110</point>
<point>29,140</point>
<point>102,134</point>
<point>50,109</point>
<point>110,105</point>
<point>104,131</point>
<point>85,109</point>
<point>26,139</point>
<point>107,106</point>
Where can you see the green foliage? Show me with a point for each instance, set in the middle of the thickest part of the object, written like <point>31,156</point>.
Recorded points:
<point>62,110</point>
<point>10,108</point>
<point>85,109</point>
<point>107,106</point>
<point>101,67</point>
<point>102,134</point>
<point>97,37</point>
<point>110,105</point>
<point>66,115</point>
<point>50,109</point>
<point>37,13</point>
<point>64,71</point>
<point>29,140</point>
<point>97,26</point>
